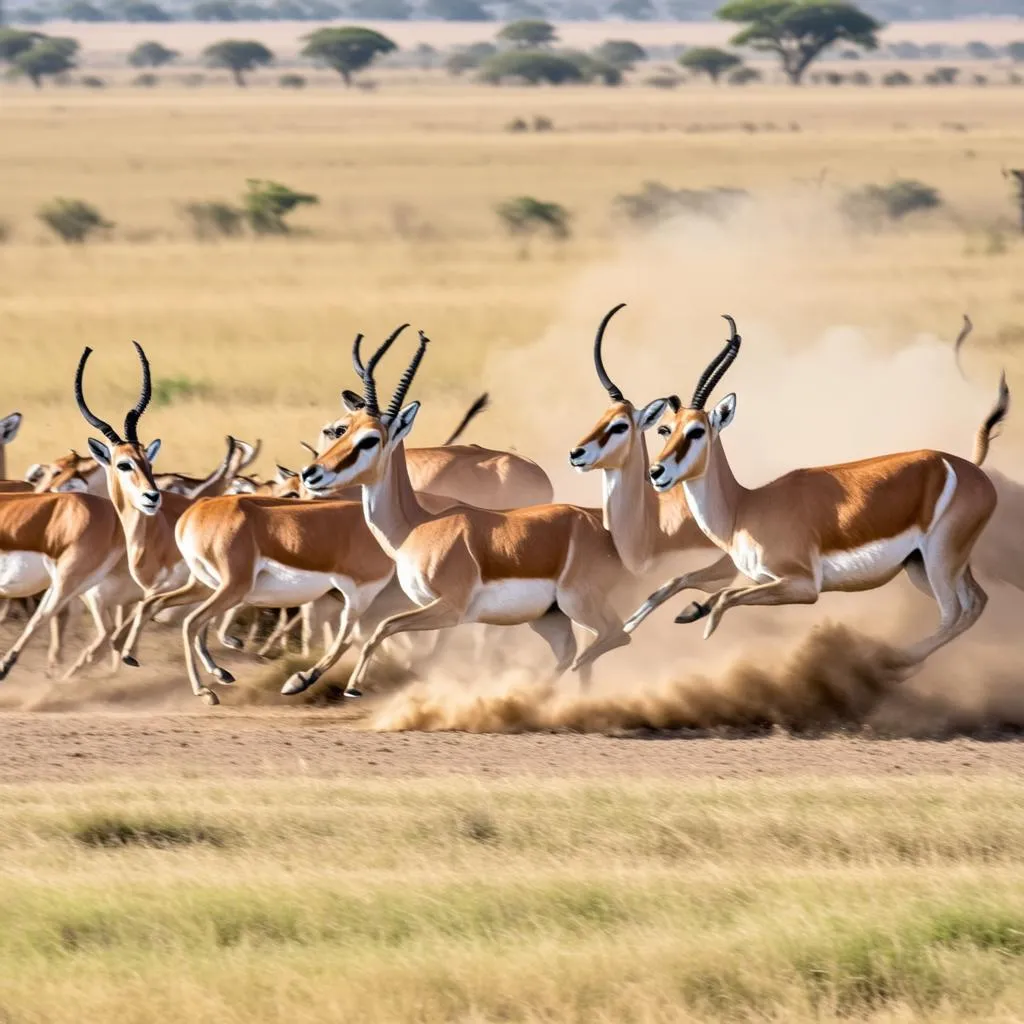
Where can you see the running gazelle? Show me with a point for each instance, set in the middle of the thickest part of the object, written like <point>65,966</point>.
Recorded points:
<point>545,565</point>
<point>849,527</point>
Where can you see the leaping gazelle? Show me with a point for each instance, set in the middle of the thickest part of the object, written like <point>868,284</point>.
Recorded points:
<point>847,527</point>
<point>544,565</point>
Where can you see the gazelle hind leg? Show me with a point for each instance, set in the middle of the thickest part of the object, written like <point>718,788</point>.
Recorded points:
<point>54,600</point>
<point>787,590</point>
<point>590,608</point>
<point>194,627</point>
<point>151,605</point>
<point>104,620</point>
<point>556,629</point>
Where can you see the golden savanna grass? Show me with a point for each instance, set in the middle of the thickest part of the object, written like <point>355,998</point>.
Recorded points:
<point>406,229</point>
<point>460,900</point>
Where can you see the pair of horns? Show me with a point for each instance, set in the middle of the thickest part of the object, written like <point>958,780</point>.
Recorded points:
<point>131,420</point>
<point>709,378</point>
<point>369,383</point>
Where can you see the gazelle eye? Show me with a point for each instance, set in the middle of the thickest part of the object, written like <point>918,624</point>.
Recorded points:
<point>124,467</point>
<point>618,428</point>
<point>696,433</point>
<point>664,431</point>
<point>367,443</point>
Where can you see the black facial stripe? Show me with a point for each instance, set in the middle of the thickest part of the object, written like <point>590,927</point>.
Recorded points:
<point>617,428</point>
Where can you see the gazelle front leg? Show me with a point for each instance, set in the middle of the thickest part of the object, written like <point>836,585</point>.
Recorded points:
<point>439,614</point>
<point>718,574</point>
<point>787,590</point>
<point>304,680</point>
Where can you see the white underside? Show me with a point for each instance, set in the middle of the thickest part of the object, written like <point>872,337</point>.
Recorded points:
<point>24,573</point>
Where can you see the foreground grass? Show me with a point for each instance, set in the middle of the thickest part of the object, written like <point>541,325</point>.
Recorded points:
<point>565,901</point>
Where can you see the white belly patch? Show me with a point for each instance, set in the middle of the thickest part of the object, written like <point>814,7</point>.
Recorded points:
<point>23,573</point>
<point>877,561</point>
<point>278,586</point>
<point>508,602</point>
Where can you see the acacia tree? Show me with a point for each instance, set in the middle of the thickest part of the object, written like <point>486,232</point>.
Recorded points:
<point>797,31</point>
<point>710,61</point>
<point>622,53</point>
<point>13,41</point>
<point>528,33</point>
<point>348,49</point>
<point>151,55</point>
<point>238,56</point>
<point>47,56</point>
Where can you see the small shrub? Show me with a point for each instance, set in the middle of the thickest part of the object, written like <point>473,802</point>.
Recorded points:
<point>543,124</point>
<point>895,79</point>
<point>517,124</point>
<point>169,390</point>
<point>656,202</point>
<point>833,78</point>
<point>744,76</point>
<point>942,76</point>
<point>525,217</point>
<point>663,80</point>
<point>981,79</point>
<point>214,219</point>
<point>267,203</point>
<point>112,832</point>
<point>875,204</point>
<point>860,78</point>
<point>147,80</point>
<point>6,231</point>
<point>93,82</point>
<point>292,81</point>
<point>72,220</point>
<point>193,79</point>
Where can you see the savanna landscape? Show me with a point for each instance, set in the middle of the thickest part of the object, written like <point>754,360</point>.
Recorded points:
<point>771,825</point>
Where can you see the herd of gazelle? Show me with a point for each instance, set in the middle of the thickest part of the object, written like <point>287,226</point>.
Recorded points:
<point>390,540</point>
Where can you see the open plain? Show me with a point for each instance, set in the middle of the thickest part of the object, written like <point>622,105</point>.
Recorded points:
<point>765,827</point>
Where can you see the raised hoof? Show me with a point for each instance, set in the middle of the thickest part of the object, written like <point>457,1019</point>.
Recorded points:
<point>6,666</point>
<point>209,697</point>
<point>131,660</point>
<point>233,642</point>
<point>297,683</point>
<point>693,612</point>
<point>351,691</point>
<point>222,675</point>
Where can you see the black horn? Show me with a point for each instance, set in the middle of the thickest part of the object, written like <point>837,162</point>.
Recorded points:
<point>131,421</point>
<point>357,359</point>
<point>369,384</point>
<point>602,374</point>
<point>716,369</point>
<point>404,384</point>
<point>91,418</point>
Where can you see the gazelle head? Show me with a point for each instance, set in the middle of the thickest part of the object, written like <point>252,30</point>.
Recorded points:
<point>692,430</point>
<point>128,465</point>
<point>362,453</point>
<point>71,472</point>
<point>611,441</point>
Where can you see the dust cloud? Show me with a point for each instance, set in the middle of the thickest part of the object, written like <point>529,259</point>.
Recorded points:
<point>810,392</point>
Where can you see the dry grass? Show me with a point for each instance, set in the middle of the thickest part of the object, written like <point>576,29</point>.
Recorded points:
<point>555,901</point>
<point>262,327</point>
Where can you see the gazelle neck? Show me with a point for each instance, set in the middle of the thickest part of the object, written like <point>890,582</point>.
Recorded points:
<point>390,505</point>
<point>714,498</point>
<point>631,508</point>
<point>146,539</point>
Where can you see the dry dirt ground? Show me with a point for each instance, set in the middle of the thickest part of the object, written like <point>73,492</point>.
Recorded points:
<point>63,746</point>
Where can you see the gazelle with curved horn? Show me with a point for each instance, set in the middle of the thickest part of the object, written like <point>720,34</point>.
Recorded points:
<point>847,527</point>
<point>545,565</point>
<point>645,526</point>
<point>485,477</point>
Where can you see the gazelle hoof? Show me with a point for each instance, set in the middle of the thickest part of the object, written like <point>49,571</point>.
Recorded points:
<point>351,691</point>
<point>693,612</point>
<point>222,675</point>
<point>6,666</point>
<point>297,683</point>
<point>130,659</point>
<point>233,642</point>
<point>209,697</point>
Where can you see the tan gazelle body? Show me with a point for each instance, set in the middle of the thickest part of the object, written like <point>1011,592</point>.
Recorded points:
<point>847,527</point>
<point>547,565</point>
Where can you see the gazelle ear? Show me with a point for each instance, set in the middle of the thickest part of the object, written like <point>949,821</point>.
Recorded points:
<point>351,401</point>
<point>402,423</point>
<point>34,473</point>
<point>154,447</point>
<point>723,413</point>
<point>646,417</point>
<point>100,452</point>
<point>284,474</point>
<point>9,427</point>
